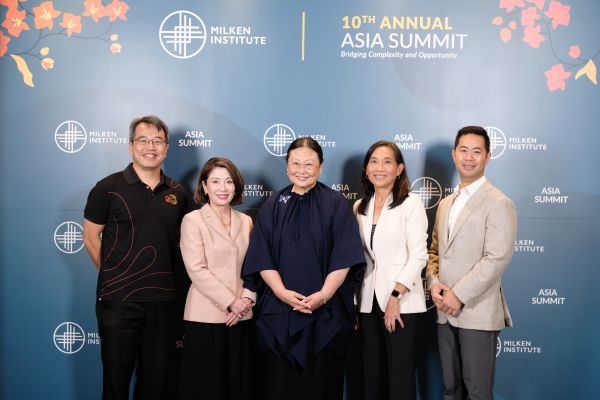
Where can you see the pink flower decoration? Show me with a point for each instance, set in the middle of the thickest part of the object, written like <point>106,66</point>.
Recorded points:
<point>497,21</point>
<point>509,5</point>
<point>555,78</point>
<point>116,9</point>
<point>72,23</point>
<point>559,13</point>
<point>538,3</point>
<point>574,52</point>
<point>512,25</point>
<point>94,9</point>
<point>3,43</point>
<point>532,36</point>
<point>529,16</point>
<point>505,35</point>
<point>10,3</point>
<point>15,22</point>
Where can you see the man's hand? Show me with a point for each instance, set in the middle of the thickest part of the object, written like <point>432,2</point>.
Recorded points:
<point>451,304</point>
<point>437,294</point>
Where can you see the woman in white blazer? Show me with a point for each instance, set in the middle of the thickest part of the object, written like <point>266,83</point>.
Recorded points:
<point>393,228</point>
<point>218,332</point>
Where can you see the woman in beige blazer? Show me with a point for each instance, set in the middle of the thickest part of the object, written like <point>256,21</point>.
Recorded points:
<point>218,331</point>
<point>393,228</point>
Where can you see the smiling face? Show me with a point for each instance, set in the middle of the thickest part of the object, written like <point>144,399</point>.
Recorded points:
<point>470,158</point>
<point>383,169</point>
<point>303,169</point>
<point>219,187</point>
<point>148,156</point>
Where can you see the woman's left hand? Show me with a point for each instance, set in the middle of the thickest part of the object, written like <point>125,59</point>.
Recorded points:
<point>232,319</point>
<point>392,314</point>
<point>315,300</point>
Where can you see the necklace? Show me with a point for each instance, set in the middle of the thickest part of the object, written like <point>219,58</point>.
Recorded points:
<point>225,217</point>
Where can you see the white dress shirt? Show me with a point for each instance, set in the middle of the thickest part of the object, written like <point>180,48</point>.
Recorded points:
<point>463,197</point>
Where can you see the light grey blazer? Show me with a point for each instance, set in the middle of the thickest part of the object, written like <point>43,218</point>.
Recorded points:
<point>472,259</point>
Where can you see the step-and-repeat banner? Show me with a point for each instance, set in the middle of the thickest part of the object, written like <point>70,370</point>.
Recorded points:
<point>242,79</point>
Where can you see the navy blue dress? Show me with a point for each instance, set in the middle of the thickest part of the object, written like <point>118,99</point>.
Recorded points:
<point>304,238</point>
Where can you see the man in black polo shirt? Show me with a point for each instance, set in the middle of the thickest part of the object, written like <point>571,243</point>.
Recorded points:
<point>131,232</point>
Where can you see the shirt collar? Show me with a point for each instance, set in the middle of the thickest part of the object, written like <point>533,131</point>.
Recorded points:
<point>471,188</point>
<point>132,177</point>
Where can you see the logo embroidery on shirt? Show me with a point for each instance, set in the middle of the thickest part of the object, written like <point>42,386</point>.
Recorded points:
<point>283,199</point>
<point>171,199</point>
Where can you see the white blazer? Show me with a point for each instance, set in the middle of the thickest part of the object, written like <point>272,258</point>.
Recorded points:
<point>399,254</point>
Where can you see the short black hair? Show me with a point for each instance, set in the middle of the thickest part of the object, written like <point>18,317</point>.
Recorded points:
<point>473,130</point>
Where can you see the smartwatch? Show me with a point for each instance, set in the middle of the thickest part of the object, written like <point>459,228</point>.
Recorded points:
<point>396,294</point>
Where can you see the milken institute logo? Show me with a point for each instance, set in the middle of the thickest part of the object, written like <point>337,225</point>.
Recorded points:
<point>68,237</point>
<point>429,190</point>
<point>182,34</point>
<point>69,337</point>
<point>277,139</point>
<point>70,136</point>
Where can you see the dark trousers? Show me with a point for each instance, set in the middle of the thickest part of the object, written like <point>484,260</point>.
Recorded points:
<point>138,336</point>
<point>217,361</point>
<point>388,358</point>
<point>468,359</point>
<point>321,379</point>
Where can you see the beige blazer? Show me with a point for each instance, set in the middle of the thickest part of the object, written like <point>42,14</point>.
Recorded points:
<point>213,259</point>
<point>399,254</point>
<point>471,260</point>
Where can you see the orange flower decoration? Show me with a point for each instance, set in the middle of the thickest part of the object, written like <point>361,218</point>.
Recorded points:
<point>94,9</point>
<point>10,3</point>
<point>117,9</point>
<point>72,23</point>
<point>44,15</point>
<point>115,48</point>
<point>47,63</point>
<point>3,43</point>
<point>15,22</point>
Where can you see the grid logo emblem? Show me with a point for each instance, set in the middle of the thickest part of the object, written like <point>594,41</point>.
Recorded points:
<point>68,237</point>
<point>497,141</point>
<point>277,139</point>
<point>182,34</point>
<point>498,346</point>
<point>70,136</point>
<point>429,190</point>
<point>69,337</point>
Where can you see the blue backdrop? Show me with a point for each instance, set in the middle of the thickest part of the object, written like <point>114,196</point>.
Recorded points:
<point>240,79</point>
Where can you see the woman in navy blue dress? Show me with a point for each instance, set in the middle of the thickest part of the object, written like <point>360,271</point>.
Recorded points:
<point>305,258</point>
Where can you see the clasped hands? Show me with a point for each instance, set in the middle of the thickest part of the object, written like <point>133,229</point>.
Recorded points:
<point>301,303</point>
<point>445,300</point>
<point>237,310</point>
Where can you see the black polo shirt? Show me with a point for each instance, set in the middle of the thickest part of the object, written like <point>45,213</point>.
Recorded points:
<point>140,236</point>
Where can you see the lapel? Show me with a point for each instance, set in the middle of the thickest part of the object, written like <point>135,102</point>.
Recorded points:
<point>236,225</point>
<point>471,206</point>
<point>369,223</point>
<point>366,226</point>
<point>444,211</point>
<point>212,219</point>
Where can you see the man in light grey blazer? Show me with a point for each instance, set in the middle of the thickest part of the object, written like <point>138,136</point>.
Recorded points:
<point>473,243</point>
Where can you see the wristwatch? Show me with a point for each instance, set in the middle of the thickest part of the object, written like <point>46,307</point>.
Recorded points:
<point>396,294</point>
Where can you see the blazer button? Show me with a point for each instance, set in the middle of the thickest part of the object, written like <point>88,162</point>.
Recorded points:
<point>445,257</point>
